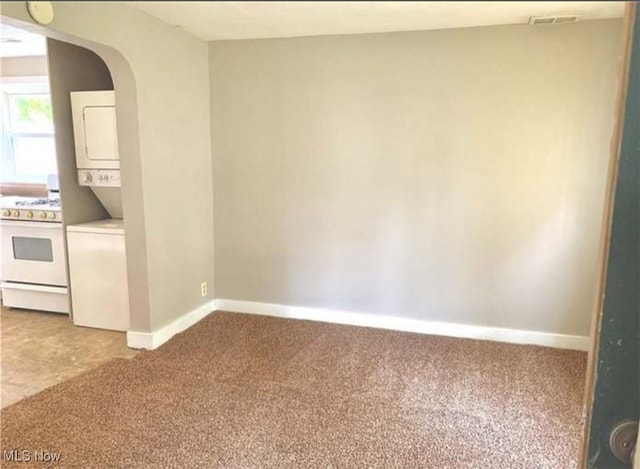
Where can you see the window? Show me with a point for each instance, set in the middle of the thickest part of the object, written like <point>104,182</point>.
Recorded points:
<point>28,145</point>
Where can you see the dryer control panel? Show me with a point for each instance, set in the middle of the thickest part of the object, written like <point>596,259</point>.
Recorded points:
<point>99,177</point>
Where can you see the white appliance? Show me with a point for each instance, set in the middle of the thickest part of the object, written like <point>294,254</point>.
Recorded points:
<point>96,145</point>
<point>94,124</point>
<point>34,271</point>
<point>98,272</point>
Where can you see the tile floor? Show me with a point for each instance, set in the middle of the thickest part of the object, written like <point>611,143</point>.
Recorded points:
<point>39,350</point>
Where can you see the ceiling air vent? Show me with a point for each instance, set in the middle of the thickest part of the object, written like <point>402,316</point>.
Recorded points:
<point>536,20</point>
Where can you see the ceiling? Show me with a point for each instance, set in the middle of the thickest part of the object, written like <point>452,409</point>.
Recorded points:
<point>246,20</point>
<point>15,42</point>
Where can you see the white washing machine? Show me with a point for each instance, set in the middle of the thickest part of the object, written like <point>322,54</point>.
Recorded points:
<point>98,272</point>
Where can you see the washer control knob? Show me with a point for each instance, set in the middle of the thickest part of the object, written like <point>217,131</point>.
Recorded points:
<point>43,214</point>
<point>29,214</point>
<point>15,213</point>
<point>6,213</point>
<point>52,215</point>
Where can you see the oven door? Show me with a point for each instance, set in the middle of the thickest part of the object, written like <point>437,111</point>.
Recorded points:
<point>33,252</point>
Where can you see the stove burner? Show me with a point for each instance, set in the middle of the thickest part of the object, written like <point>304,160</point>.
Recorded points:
<point>37,202</point>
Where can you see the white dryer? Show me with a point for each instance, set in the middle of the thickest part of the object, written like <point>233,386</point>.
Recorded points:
<point>94,127</point>
<point>96,144</point>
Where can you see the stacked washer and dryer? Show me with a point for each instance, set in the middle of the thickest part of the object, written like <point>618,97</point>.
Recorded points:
<point>96,250</point>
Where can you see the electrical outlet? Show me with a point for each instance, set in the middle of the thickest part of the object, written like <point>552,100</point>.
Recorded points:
<point>203,289</point>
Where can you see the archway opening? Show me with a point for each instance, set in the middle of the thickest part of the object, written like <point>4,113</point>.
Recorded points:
<point>47,195</point>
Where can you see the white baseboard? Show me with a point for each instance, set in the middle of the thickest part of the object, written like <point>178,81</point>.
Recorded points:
<point>153,340</point>
<point>515,336</point>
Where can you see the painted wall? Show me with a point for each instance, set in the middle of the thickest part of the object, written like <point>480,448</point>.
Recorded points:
<point>453,175</point>
<point>161,80</point>
<point>23,66</point>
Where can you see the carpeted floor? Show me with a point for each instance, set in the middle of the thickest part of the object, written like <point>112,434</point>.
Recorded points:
<point>240,391</point>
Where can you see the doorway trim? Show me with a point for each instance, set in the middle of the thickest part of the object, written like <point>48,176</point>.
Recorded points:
<point>607,219</point>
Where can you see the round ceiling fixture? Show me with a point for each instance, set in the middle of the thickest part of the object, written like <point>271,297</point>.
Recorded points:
<point>41,12</point>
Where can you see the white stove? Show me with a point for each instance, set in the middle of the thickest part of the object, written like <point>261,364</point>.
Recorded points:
<point>30,209</point>
<point>34,268</point>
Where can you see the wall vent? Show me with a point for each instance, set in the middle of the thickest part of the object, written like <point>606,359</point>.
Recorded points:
<point>536,20</point>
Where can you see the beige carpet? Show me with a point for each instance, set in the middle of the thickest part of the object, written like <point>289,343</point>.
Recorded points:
<point>249,391</point>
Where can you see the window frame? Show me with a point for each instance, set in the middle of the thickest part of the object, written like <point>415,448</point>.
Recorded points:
<point>9,88</point>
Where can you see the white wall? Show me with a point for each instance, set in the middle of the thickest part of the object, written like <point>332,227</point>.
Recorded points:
<point>452,175</point>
